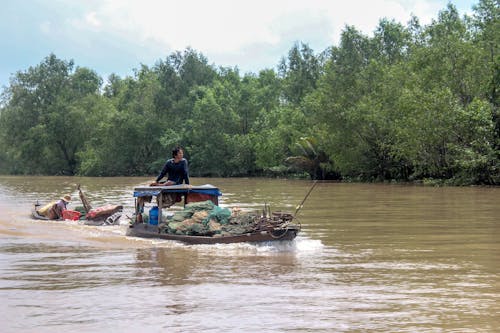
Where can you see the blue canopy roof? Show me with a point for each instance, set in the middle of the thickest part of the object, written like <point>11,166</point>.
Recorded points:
<point>208,189</point>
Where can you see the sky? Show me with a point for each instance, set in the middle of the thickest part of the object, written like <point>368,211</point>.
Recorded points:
<point>118,36</point>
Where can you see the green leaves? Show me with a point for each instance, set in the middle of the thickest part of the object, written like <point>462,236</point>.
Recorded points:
<point>410,103</point>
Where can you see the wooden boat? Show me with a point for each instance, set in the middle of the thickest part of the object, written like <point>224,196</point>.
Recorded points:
<point>274,227</point>
<point>152,231</point>
<point>103,215</point>
<point>111,218</point>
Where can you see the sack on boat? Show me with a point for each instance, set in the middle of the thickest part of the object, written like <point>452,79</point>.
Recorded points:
<point>181,216</point>
<point>214,226</point>
<point>191,210</point>
<point>181,228</point>
<point>200,218</point>
<point>219,214</point>
<point>186,227</point>
<point>201,205</point>
<point>45,209</point>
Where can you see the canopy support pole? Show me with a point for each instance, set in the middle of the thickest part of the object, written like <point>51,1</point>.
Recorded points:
<point>160,206</point>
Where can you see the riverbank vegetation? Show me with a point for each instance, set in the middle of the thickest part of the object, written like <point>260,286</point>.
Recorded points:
<point>409,103</point>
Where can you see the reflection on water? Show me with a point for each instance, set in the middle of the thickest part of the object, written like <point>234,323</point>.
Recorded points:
<point>372,258</point>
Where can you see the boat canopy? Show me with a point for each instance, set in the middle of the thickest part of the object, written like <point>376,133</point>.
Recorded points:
<point>207,189</point>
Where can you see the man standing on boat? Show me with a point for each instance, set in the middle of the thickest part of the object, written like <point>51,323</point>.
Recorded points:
<point>176,168</point>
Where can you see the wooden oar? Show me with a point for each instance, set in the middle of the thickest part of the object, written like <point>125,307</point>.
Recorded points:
<point>299,207</point>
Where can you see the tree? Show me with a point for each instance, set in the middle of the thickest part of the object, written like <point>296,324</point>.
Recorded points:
<point>38,122</point>
<point>391,41</point>
<point>300,72</point>
<point>309,158</point>
<point>209,130</point>
<point>128,137</point>
<point>487,20</point>
<point>275,134</point>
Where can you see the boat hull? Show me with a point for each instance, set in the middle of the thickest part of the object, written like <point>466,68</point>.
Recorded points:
<point>151,231</point>
<point>102,221</point>
<point>36,216</point>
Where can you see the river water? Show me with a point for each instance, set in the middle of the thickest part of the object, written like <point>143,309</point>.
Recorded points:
<point>369,258</point>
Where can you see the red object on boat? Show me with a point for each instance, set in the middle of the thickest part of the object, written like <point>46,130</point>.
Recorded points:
<point>71,215</point>
<point>103,212</point>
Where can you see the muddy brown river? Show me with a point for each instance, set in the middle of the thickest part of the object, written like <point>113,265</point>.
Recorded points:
<point>369,258</point>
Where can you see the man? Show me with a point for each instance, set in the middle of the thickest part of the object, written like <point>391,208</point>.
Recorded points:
<point>54,210</point>
<point>176,168</point>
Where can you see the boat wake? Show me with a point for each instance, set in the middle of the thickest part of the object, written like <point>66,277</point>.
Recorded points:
<point>300,245</point>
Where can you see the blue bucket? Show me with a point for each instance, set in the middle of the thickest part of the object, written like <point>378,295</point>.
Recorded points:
<point>153,215</point>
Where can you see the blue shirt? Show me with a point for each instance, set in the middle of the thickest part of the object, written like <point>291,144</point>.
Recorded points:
<point>62,204</point>
<point>177,172</point>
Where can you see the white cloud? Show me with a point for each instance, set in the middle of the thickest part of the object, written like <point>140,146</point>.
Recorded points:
<point>92,20</point>
<point>228,26</point>
<point>204,25</point>
<point>116,36</point>
<point>45,27</point>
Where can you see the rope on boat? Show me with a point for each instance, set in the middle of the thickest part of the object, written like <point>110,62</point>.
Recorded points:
<point>285,228</point>
<point>280,236</point>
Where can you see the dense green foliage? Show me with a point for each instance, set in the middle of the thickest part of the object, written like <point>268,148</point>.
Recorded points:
<point>410,103</point>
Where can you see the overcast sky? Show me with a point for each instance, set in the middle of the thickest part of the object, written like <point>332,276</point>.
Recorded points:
<point>116,36</point>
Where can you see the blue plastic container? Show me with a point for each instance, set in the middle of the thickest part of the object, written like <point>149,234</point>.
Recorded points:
<point>153,215</point>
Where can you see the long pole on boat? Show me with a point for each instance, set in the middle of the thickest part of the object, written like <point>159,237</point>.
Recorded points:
<point>299,207</point>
